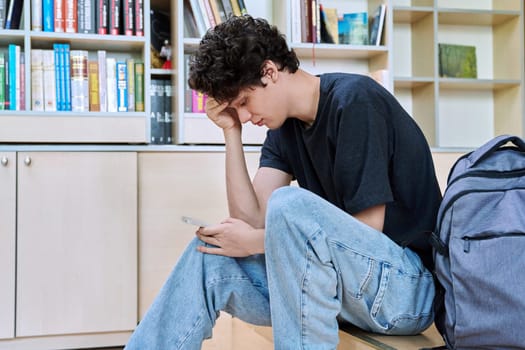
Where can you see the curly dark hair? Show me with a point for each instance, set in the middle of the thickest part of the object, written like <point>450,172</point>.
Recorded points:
<point>230,57</point>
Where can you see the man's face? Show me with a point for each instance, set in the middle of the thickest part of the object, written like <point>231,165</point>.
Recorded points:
<point>261,106</point>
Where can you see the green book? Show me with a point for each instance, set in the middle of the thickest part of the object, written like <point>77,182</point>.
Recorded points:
<point>139,86</point>
<point>457,61</point>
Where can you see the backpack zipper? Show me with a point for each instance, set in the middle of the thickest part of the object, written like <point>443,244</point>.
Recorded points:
<point>487,236</point>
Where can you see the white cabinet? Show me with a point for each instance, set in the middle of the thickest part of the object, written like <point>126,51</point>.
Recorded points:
<point>7,243</point>
<point>76,249</point>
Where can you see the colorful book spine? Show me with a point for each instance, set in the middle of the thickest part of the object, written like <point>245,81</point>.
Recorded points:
<point>7,103</point>
<point>60,22</point>
<point>139,17</point>
<point>94,94</point>
<point>12,76</point>
<point>59,75</point>
<point>111,88</point>
<point>127,14</point>
<point>122,87</point>
<point>36,15</point>
<point>168,113</point>
<point>235,7</point>
<point>2,81</point>
<point>131,84</point>
<point>102,80</point>
<point>22,93</point>
<point>48,63</point>
<point>114,17</point>
<point>18,79</point>
<point>86,16</point>
<point>3,12</point>
<point>199,102</point>
<point>70,16</point>
<point>48,16</point>
<point>37,80</point>
<point>102,16</point>
<point>139,87</point>
<point>67,76</point>
<point>79,81</point>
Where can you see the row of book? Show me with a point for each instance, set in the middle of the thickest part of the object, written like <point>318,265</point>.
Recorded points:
<point>161,117</point>
<point>314,23</point>
<point>12,88</point>
<point>115,17</point>
<point>199,15</point>
<point>68,80</point>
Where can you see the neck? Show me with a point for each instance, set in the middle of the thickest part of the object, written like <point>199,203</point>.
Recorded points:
<point>304,96</point>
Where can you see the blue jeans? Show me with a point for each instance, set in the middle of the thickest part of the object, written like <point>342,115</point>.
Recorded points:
<point>321,267</point>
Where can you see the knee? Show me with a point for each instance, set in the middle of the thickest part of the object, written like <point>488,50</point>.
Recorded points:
<point>282,201</point>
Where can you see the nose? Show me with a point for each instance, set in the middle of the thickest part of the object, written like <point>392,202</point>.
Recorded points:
<point>244,115</point>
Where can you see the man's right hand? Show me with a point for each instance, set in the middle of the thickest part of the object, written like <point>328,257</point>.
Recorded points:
<point>223,116</point>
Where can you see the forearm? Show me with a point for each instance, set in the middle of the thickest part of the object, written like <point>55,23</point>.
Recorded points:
<point>242,198</point>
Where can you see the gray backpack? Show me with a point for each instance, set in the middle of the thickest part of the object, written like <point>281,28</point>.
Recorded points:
<point>479,249</point>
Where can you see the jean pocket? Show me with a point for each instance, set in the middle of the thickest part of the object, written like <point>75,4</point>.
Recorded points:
<point>403,304</point>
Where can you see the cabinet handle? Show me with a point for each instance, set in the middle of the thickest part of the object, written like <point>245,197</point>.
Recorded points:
<point>27,161</point>
<point>4,161</point>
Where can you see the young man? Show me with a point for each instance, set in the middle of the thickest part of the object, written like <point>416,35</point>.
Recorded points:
<point>347,246</point>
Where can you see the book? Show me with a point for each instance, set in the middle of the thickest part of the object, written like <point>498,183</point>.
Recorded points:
<point>457,61</point>
<point>59,16</point>
<point>168,113</point>
<point>198,102</point>
<point>139,86</point>
<point>86,16</point>
<point>14,14</point>
<point>377,23</point>
<point>193,7</point>
<point>353,28</point>
<point>114,22</point>
<point>127,17</point>
<point>102,78</point>
<point>102,19</point>
<point>190,24</point>
<point>3,13</point>
<point>157,111</point>
<point>2,81</point>
<point>235,8</point>
<point>70,16</point>
<point>242,6</point>
<point>22,92</point>
<point>48,64</point>
<point>7,103</point>
<point>131,84</point>
<point>13,58</point>
<point>111,81</point>
<point>122,86</point>
<point>93,86</point>
<point>67,76</point>
<point>48,16</point>
<point>139,17</point>
<point>79,81</point>
<point>328,17</point>
<point>36,15</point>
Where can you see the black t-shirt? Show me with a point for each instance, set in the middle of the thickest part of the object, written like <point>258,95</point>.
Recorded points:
<point>363,149</point>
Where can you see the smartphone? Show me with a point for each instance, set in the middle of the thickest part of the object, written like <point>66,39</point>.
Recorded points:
<point>193,221</point>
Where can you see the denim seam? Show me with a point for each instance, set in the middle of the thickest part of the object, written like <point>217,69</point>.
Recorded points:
<point>385,275</point>
<point>191,330</point>
<point>304,286</point>
<point>213,282</point>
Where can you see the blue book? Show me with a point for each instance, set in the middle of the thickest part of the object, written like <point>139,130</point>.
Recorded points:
<point>48,16</point>
<point>12,76</point>
<point>59,77</point>
<point>122,87</point>
<point>67,77</point>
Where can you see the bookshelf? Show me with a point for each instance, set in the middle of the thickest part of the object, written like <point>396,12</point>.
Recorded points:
<point>30,126</point>
<point>460,112</point>
<point>454,113</point>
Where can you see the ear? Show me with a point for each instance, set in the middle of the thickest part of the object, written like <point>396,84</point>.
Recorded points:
<point>270,72</point>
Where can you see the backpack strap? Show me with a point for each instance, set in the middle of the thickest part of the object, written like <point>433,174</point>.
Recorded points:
<point>493,145</point>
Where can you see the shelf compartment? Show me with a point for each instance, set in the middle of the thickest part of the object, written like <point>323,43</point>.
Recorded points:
<point>475,17</point>
<point>338,51</point>
<point>70,127</point>
<point>477,84</point>
<point>404,14</point>
<point>112,43</point>
<point>412,82</point>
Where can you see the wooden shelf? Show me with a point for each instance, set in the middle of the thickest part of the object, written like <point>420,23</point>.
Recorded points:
<point>474,17</point>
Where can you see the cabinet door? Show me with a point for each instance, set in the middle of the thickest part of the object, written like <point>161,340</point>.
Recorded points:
<point>77,242</point>
<point>7,243</point>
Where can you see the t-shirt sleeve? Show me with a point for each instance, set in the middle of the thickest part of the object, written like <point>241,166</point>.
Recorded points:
<point>362,158</point>
<point>272,155</point>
